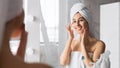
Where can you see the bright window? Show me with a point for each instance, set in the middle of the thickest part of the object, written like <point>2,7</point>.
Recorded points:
<point>50,12</point>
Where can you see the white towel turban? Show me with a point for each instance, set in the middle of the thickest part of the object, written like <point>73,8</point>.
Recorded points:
<point>8,10</point>
<point>82,9</point>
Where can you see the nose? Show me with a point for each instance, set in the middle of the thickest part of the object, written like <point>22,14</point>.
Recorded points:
<point>77,23</point>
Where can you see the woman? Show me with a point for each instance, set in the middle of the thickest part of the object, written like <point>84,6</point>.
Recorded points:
<point>82,49</point>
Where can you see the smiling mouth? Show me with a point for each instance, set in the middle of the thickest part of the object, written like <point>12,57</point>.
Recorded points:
<point>78,28</point>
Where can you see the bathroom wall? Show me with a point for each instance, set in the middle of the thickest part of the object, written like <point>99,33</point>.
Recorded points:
<point>110,31</point>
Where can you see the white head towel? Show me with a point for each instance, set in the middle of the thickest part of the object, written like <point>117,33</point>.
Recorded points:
<point>82,9</point>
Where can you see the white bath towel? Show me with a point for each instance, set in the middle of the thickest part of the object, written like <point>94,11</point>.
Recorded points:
<point>77,62</point>
<point>104,61</point>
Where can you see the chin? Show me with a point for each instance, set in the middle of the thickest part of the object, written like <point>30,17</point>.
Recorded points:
<point>78,32</point>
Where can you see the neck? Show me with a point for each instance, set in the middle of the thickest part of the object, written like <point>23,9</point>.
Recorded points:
<point>88,39</point>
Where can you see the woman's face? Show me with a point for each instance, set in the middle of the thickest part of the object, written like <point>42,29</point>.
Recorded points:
<point>79,23</point>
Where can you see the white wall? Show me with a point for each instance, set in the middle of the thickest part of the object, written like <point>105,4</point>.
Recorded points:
<point>110,30</point>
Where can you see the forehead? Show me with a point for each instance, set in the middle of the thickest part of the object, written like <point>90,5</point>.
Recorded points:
<point>77,15</point>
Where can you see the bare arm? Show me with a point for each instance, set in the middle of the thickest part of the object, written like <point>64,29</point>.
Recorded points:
<point>100,47</point>
<point>65,56</point>
<point>98,51</point>
<point>96,55</point>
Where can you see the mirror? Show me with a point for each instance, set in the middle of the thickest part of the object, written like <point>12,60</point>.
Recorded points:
<point>47,32</point>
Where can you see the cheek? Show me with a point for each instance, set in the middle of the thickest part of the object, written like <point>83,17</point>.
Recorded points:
<point>73,25</point>
<point>83,24</point>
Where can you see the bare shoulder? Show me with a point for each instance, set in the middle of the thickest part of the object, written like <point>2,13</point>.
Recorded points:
<point>100,45</point>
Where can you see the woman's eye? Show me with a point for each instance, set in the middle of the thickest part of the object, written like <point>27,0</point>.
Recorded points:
<point>81,20</point>
<point>74,21</point>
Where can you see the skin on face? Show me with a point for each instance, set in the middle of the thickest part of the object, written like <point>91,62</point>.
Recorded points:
<point>79,23</point>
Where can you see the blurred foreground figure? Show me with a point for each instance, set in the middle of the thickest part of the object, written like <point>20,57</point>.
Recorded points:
<point>11,23</point>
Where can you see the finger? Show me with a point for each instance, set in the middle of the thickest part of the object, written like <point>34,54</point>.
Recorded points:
<point>82,30</point>
<point>67,27</point>
<point>85,33</point>
<point>70,24</point>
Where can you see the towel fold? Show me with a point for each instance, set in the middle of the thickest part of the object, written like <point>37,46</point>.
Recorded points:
<point>77,62</point>
<point>103,62</point>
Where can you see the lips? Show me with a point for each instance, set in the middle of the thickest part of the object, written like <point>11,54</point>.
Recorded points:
<point>79,28</point>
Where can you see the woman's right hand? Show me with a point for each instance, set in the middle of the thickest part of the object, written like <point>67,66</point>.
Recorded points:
<point>70,31</point>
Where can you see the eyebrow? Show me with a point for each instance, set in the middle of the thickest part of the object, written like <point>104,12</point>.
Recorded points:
<point>79,18</point>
